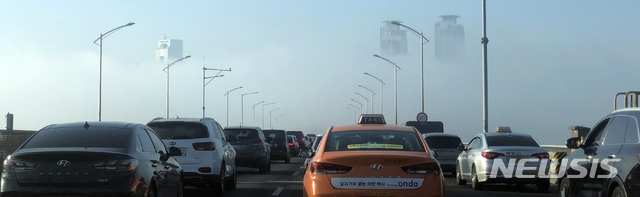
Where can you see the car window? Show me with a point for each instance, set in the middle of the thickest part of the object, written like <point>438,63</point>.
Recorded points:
<point>278,136</point>
<point>597,135</point>
<point>157,143</point>
<point>471,144</point>
<point>632,132</point>
<point>317,143</point>
<point>242,134</point>
<point>511,140</point>
<point>145,142</point>
<point>443,142</point>
<point>374,140</point>
<point>616,131</point>
<point>80,137</point>
<point>478,144</point>
<point>221,132</point>
<point>179,130</point>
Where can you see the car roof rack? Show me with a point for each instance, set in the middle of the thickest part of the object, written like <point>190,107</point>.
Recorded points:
<point>630,99</point>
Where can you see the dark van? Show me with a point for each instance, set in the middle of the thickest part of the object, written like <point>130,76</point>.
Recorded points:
<point>279,145</point>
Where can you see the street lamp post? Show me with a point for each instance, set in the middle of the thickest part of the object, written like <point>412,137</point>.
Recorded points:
<point>227,95</point>
<point>102,36</point>
<point>395,83</point>
<point>205,83</point>
<point>361,106</point>
<point>356,113</point>
<point>242,106</point>
<point>270,125</point>
<point>366,102</point>
<point>277,120</point>
<point>356,108</point>
<point>485,93</point>
<point>166,69</point>
<point>254,112</point>
<point>263,112</point>
<point>381,84</point>
<point>372,93</point>
<point>421,35</point>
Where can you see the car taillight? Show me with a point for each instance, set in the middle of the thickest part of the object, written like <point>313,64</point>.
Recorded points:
<point>491,155</point>
<point>424,168</point>
<point>257,143</point>
<point>206,146</point>
<point>19,165</point>
<point>126,164</point>
<point>327,168</point>
<point>290,144</point>
<point>541,155</point>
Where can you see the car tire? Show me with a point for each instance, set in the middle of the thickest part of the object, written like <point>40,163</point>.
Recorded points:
<point>564,189</point>
<point>217,187</point>
<point>268,165</point>
<point>288,159</point>
<point>618,192</point>
<point>543,186</point>
<point>152,190</point>
<point>475,184</point>
<point>458,175</point>
<point>232,183</point>
<point>263,168</point>
<point>181,187</point>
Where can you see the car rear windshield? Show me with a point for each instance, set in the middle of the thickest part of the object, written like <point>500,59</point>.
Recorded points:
<point>511,140</point>
<point>242,134</point>
<point>94,137</point>
<point>277,136</point>
<point>443,142</point>
<point>180,130</point>
<point>373,140</point>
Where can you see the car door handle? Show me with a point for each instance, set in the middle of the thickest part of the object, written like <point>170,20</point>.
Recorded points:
<point>154,165</point>
<point>612,156</point>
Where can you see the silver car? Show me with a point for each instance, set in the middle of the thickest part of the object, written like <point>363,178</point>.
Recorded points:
<point>476,161</point>
<point>446,147</point>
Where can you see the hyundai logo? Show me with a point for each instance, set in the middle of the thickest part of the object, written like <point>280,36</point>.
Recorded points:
<point>63,163</point>
<point>376,166</point>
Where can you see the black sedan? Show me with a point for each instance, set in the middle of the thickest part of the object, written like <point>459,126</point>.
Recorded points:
<point>93,159</point>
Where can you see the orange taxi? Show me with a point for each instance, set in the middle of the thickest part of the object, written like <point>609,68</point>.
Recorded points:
<point>372,159</point>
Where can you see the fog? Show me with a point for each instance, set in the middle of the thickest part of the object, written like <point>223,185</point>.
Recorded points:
<point>551,64</point>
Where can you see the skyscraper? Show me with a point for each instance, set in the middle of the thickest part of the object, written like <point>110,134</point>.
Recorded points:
<point>392,39</point>
<point>449,40</point>
<point>168,50</point>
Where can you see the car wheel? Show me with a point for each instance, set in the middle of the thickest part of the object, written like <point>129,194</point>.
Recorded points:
<point>288,159</point>
<point>475,184</point>
<point>458,174</point>
<point>263,168</point>
<point>152,190</point>
<point>180,187</point>
<point>232,183</point>
<point>564,190</point>
<point>543,186</point>
<point>217,187</point>
<point>268,165</point>
<point>618,192</point>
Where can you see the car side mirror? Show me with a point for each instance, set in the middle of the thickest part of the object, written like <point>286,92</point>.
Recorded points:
<point>232,139</point>
<point>573,143</point>
<point>433,153</point>
<point>461,147</point>
<point>306,153</point>
<point>173,151</point>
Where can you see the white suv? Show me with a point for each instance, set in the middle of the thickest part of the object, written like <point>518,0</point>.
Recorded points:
<point>207,157</point>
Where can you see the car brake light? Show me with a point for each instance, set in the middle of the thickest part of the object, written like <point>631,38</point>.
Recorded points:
<point>296,143</point>
<point>257,143</point>
<point>206,146</point>
<point>126,164</point>
<point>424,168</point>
<point>19,165</point>
<point>327,168</point>
<point>541,155</point>
<point>290,144</point>
<point>204,169</point>
<point>491,155</point>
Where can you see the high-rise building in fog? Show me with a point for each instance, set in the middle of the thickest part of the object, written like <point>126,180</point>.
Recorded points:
<point>393,40</point>
<point>449,40</point>
<point>169,49</point>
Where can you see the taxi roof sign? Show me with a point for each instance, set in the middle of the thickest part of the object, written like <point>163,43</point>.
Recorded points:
<point>371,119</point>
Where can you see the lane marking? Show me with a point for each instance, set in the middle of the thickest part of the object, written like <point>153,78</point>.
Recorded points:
<point>277,192</point>
<point>296,173</point>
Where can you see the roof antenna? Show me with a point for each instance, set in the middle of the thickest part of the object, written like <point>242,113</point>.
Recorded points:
<point>86,125</point>
<point>177,117</point>
<point>165,36</point>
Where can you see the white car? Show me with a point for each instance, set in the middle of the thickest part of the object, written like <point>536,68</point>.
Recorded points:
<point>208,159</point>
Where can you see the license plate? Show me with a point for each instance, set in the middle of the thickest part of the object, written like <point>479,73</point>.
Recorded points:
<point>376,183</point>
<point>380,194</point>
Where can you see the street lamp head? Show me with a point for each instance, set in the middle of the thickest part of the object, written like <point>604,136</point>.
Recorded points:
<point>375,55</point>
<point>188,56</point>
<point>361,86</point>
<point>220,76</point>
<point>395,22</point>
<point>129,24</point>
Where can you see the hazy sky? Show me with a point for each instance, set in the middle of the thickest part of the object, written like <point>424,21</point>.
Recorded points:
<point>552,64</point>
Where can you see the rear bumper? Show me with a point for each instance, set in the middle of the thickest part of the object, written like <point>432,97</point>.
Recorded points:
<point>252,161</point>
<point>11,188</point>
<point>200,180</point>
<point>321,187</point>
<point>279,154</point>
